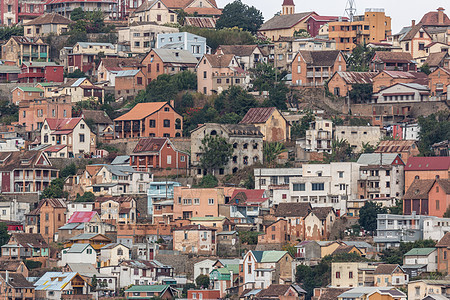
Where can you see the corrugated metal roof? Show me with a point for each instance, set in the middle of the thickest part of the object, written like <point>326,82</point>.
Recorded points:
<point>257,115</point>
<point>176,56</point>
<point>357,77</point>
<point>127,73</point>
<point>78,248</point>
<point>54,281</point>
<point>428,163</point>
<point>420,251</point>
<point>377,158</point>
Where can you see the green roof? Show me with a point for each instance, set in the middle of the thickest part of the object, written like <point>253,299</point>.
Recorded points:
<point>420,251</point>
<point>48,83</point>
<point>207,218</point>
<point>148,288</point>
<point>233,268</point>
<point>30,89</point>
<point>268,256</point>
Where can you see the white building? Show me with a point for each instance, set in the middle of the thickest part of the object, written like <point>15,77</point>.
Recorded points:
<point>203,267</point>
<point>421,256</point>
<point>184,41</point>
<point>12,144</point>
<point>78,253</point>
<point>14,211</point>
<point>319,136</point>
<point>112,254</point>
<point>403,92</point>
<point>142,37</point>
<point>276,182</point>
<point>357,136</point>
<point>435,228</point>
<point>78,206</point>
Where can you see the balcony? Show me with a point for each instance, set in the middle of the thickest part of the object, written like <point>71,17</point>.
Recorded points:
<point>318,74</point>
<point>31,75</point>
<point>43,55</point>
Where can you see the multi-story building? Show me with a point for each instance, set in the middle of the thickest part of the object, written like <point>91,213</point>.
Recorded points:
<point>270,121</point>
<point>358,136</point>
<point>426,168</point>
<point>119,210</point>
<point>65,7</point>
<point>184,40</point>
<point>439,79</point>
<point>14,210</point>
<point>392,61</point>
<point>26,172</point>
<point>26,246</point>
<point>341,83</point>
<point>381,176</point>
<point>46,24</point>
<point>276,182</point>
<point>159,198</point>
<point>248,56</point>
<point>195,239</point>
<point>128,83</point>
<point>314,68</point>
<point>109,67</point>
<point>32,113</point>
<point>429,197</point>
<point>20,11</point>
<point>17,285</point>
<point>20,94</point>
<point>372,27</point>
<point>319,136</point>
<point>46,218</point>
<point>435,228</point>
<point>79,89</point>
<point>352,274</point>
<point>420,260</point>
<point>428,289</point>
<point>154,119</point>
<point>217,73</point>
<point>247,143</point>
<point>32,72</point>
<point>20,49</point>
<point>83,56</point>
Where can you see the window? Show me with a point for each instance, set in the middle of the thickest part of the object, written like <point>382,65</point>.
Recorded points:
<point>158,18</point>
<point>437,205</point>
<point>46,216</point>
<point>388,173</point>
<point>341,174</point>
<point>249,269</point>
<point>81,138</point>
<point>196,201</point>
<point>166,123</point>
<point>298,187</point>
<point>350,275</point>
<point>318,186</point>
<point>342,187</point>
<point>205,74</point>
<point>338,275</point>
<point>152,123</point>
<point>139,80</point>
<point>273,236</point>
<point>421,46</point>
<point>169,159</point>
<point>210,201</point>
<point>89,251</point>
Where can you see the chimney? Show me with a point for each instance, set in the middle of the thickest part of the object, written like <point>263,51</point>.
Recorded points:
<point>441,16</point>
<point>413,23</point>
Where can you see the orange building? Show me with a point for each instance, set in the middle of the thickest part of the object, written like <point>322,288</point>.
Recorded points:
<point>439,197</point>
<point>167,61</point>
<point>386,79</point>
<point>342,82</point>
<point>47,218</point>
<point>438,80</point>
<point>313,68</point>
<point>17,285</point>
<point>22,93</point>
<point>372,27</point>
<point>203,294</point>
<point>153,119</point>
<point>429,197</point>
<point>33,112</point>
<point>137,233</point>
<point>128,83</point>
<point>426,168</point>
<point>276,233</point>
<point>198,202</point>
<point>443,254</point>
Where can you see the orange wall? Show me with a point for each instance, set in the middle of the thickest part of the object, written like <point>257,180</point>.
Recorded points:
<point>439,76</point>
<point>410,176</point>
<point>275,233</point>
<point>384,80</point>
<point>202,209</point>
<point>152,68</point>
<point>56,219</point>
<point>438,201</point>
<point>129,86</point>
<point>31,117</point>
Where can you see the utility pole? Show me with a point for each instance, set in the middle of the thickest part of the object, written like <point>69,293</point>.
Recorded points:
<point>350,9</point>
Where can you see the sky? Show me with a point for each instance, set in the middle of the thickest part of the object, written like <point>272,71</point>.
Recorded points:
<point>401,11</point>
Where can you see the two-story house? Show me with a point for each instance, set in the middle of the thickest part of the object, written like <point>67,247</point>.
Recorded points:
<point>79,89</point>
<point>195,239</point>
<point>119,210</point>
<point>193,43</point>
<point>270,122</point>
<point>26,246</point>
<point>84,54</point>
<point>46,24</point>
<point>20,49</point>
<point>48,216</point>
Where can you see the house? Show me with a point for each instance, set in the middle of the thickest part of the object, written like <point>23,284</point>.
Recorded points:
<point>275,233</point>
<point>328,293</point>
<point>100,120</point>
<point>313,68</point>
<point>341,83</point>
<point>247,143</point>
<point>141,36</point>
<point>16,286</point>
<point>248,56</point>
<point>20,94</point>
<point>203,267</point>
<point>195,239</point>
<point>392,61</point>
<point>84,55</point>
<point>203,294</point>
<point>435,228</point>
<point>108,68</point>
<point>56,285</point>
<point>390,275</point>
<point>381,175</point>
<point>245,206</point>
<point>105,284</point>
<point>22,12</point>
<point>121,210</point>
<point>352,274</point>
<point>415,41</point>
<point>357,136</point>
<point>32,72</point>
<point>406,131</point>
<point>426,168</point>
<point>160,291</point>
<point>285,24</point>
<point>68,137</point>
<point>26,172</point>
<point>107,7</point>
<point>260,269</point>
<point>158,153</point>
<point>282,292</point>
<point>154,119</point>
<point>78,253</point>
<point>217,73</point>
<point>219,223</point>
<point>371,27</point>
<point>439,79</point>
<point>386,79</point>
<point>46,218</point>
<point>404,148</point>
<point>401,93</point>
<point>20,49</point>
<point>167,61</point>
<point>26,246</point>
<point>79,89</point>
<point>373,293</point>
<point>112,254</point>
<point>33,112</point>
<point>129,83</point>
<point>319,136</point>
<point>425,288</point>
<point>14,266</point>
<point>46,24</point>
<point>9,73</point>
<point>270,122</point>
<point>160,201</point>
<point>184,40</point>
<point>438,60</point>
<point>95,240</point>
<point>442,254</point>
<point>418,260</point>
<point>84,222</point>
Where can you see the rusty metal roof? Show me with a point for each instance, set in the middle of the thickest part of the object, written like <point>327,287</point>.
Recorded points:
<point>357,77</point>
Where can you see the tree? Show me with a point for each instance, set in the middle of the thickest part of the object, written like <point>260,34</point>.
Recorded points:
<point>447,212</point>
<point>8,112</point>
<point>277,96</point>
<point>186,287</point>
<point>77,14</point>
<point>395,255</point>
<point>94,283</point>
<point>4,235</point>
<point>361,92</point>
<point>367,148</point>
<point>208,181</point>
<point>54,190</point>
<point>238,14</point>
<point>76,74</point>
<point>271,152</point>
<point>299,130</point>
<point>433,129</point>
<point>248,237</point>
<point>368,215</point>
<point>7,32</point>
<point>202,281</point>
<point>87,197</point>
<point>425,68</point>
<point>68,170</point>
<point>263,76</point>
<point>340,151</point>
<point>360,58</point>
<point>235,100</point>
<point>397,209</point>
<point>216,152</point>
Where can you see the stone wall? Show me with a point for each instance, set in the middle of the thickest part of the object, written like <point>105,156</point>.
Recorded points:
<point>6,88</point>
<point>81,163</point>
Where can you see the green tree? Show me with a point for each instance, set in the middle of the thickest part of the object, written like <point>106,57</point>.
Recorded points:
<point>187,287</point>
<point>263,76</point>
<point>397,209</point>
<point>4,235</point>
<point>368,215</point>
<point>216,152</point>
<point>202,281</point>
<point>360,58</point>
<point>277,96</point>
<point>341,151</point>
<point>249,237</point>
<point>32,264</point>
<point>299,130</point>
<point>76,74</point>
<point>226,36</point>
<point>7,32</point>
<point>87,197</point>
<point>271,152</point>
<point>54,190</point>
<point>68,170</point>
<point>77,14</point>
<point>395,255</point>
<point>9,112</point>
<point>447,212</point>
<point>425,68</point>
<point>208,181</point>
<point>367,148</point>
<point>94,283</point>
<point>290,249</point>
<point>361,92</point>
<point>433,129</point>
<point>238,14</point>
<point>235,100</point>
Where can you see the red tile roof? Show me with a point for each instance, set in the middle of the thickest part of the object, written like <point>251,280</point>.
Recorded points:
<point>431,19</point>
<point>288,2</point>
<point>141,111</point>
<point>258,115</point>
<point>428,163</point>
<point>149,145</point>
<point>65,124</point>
<point>251,195</point>
<point>81,216</point>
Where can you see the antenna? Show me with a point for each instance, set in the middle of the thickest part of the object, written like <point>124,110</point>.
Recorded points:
<point>350,9</point>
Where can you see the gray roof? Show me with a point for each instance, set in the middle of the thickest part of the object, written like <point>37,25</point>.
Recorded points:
<point>358,292</point>
<point>120,170</point>
<point>358,244</point>
<point>87,44</point>
<point>40,64</point>
<point>71,226</point>
<point>9,69</point>
<point>127,73</point>
<point>377,158</point>
<point>84,269</point>
<point>121,160</point>
<point>170,56</point>
<point>83,236</point>
<point>78,248</point>
<point>416,86</point>
<point>112,245</point>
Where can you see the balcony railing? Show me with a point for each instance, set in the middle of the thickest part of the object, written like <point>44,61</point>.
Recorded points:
<point>31,75</point>
<point>317,74</point>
